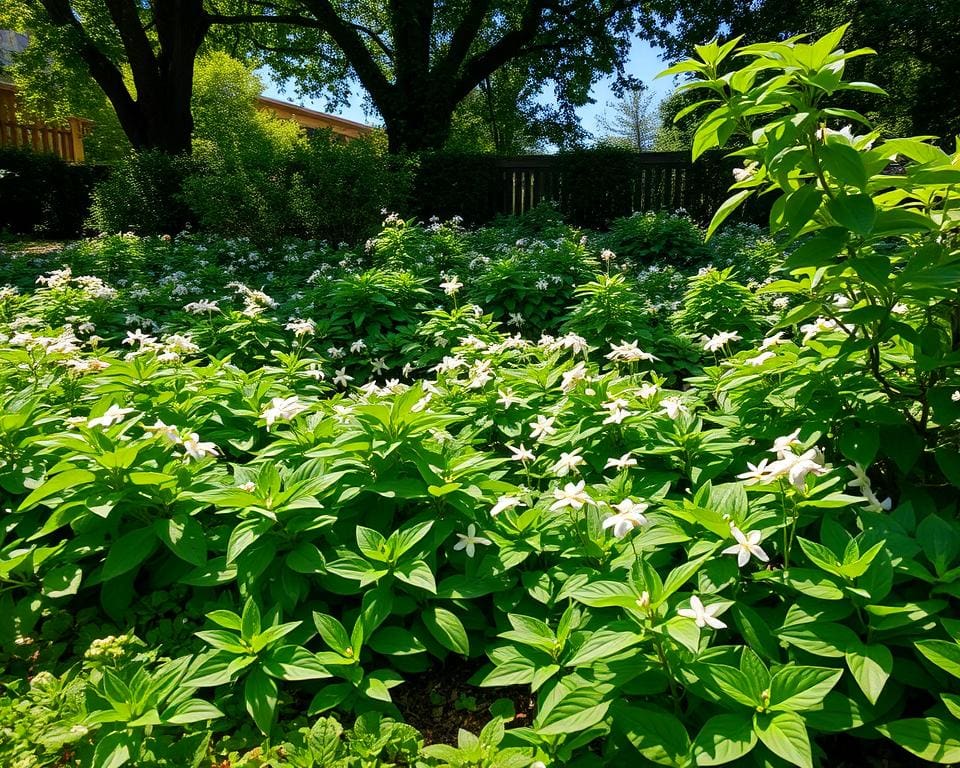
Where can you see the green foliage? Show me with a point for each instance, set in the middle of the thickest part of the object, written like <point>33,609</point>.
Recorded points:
<point>655,238</point>
<point>750,564</point>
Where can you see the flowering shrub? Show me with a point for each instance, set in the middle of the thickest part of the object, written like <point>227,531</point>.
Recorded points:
<point>249,494</point>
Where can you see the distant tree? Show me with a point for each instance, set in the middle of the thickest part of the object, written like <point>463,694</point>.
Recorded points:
<point>503,115</point>
<point>634,121</point>
<point>675,136</point>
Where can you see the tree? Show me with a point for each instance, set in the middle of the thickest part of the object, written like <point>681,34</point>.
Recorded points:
<point>634,121</point>
<point>503,115</point>
<point>141,55</point>
<point>917,61</point>
<point>419,59</point>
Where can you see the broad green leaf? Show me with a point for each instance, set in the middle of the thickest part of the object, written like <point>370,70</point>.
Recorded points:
<point>870,666</point>
<point>724,738</point>
<point>794,689</point>
<point>658,736</point>
<point>855,212</point>
<point>447,629</point>
<point>417,574</point>
<point>72,478</point>
<point>127,552</point>
<point>929,738</point>
<point>333,633</point>
<point>784,734</point>
<point>943,653</point>
<point>260,697</point>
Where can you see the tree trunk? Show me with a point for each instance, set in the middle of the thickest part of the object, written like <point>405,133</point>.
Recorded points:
<point>416,126</point>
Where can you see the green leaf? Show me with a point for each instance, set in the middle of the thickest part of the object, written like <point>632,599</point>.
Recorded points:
<point>571,710</point>
<point>72,478</point>
<point>292,662</point>
<point>861,444</point>
<point>62,581</point>
<point>794,689</point>
<point>855,212</point>
<point>447,629</point>
<point>870,666</point>
<point>260,697</point>
<point>418,574</point>
<point>127,552</point>
<point>396,641</point>
<point>928,738</point>
<point>784,734</point>
<point>726,208</point>
<point>724,738</point>
<point>602,645</point>
<point>184,537</point>
<point>800,206</point>
<point>658,736</point>
<point>113,750</point>
<point>191,711</point>
<point>943,653</point>
<point>333,633</point>
<point>250,620</point>
<point>844,163</point>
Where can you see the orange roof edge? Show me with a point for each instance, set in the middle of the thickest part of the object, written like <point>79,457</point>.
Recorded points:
<point>287,106</point>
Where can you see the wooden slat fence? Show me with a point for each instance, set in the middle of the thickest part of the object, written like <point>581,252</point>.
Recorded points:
<point>65,141</point>
<point>590,187</point>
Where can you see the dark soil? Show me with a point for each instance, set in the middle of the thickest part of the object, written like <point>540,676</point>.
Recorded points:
<point>440,702</point>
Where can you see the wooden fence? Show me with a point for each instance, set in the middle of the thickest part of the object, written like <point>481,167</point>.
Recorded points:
<point>65,141</point>
<point>590,187</point>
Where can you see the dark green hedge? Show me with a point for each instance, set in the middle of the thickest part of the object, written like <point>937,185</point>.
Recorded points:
<point>42,195</point>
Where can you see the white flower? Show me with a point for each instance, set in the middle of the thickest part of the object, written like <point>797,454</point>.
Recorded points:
<point>450,286</point>
<point>756,473</point>
<point>379,365</point>
<point>505,503</point>
<point>113,415</point>
<point>507,398</point>
<point>422,403</point>
<point>760,359</point>
<point>748,171</point>
<point>629,516</point>
<point>166,431</point>
<point>955,397</point>
<point>335,353</point>
<point>624,462</point>
<point>201,307</point>
<point>193,448</point>
<point>899,308</point>
<point>282,409</point>
<point>406,370</point>
<point>515,318</point>
<point>469,541</point>
<point>772,341</point>
<point>719,340</point>
<point>701,614</point>
<point>571,378</point>
<point>861,481</point>
<point>647,390</point>
<point>818,326</point>
<point>747,546</point>
<point>341,379</point>
<point>521,454</point>
<point>796,468</point>
<point>673,407</point>
<point>542,427</point>
<point>568,463</point>
<point>480,374</point>
<point>358,346</point>
<point>782,445</point>
<point>139,337</point>
<point>628,352</point>
<point>449,363</point>
<point>542,284</point>
<point>572,495</point>
<point>304,327</point>
<point>781,302</point>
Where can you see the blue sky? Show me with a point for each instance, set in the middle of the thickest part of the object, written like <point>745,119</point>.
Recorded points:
<point>644,63</point>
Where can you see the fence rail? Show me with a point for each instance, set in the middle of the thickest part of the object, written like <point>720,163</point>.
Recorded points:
<point>590,187</point>
<point>65,141</point>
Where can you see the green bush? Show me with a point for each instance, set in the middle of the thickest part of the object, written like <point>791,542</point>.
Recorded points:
<point>40,194</point>
<point>143,194</point>
<point>715,303</point>
<point>655,238</point>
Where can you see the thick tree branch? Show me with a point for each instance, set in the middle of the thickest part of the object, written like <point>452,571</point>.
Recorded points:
<point>136,44</point>
<point>463,37</point>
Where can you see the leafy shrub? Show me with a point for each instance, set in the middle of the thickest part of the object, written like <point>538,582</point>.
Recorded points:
<point>715,302</point>
<point>667,239</point>
<point>142,194</point>
<point>40,194</point>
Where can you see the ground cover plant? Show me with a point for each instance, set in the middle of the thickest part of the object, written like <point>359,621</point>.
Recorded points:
<point>261,507</point>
